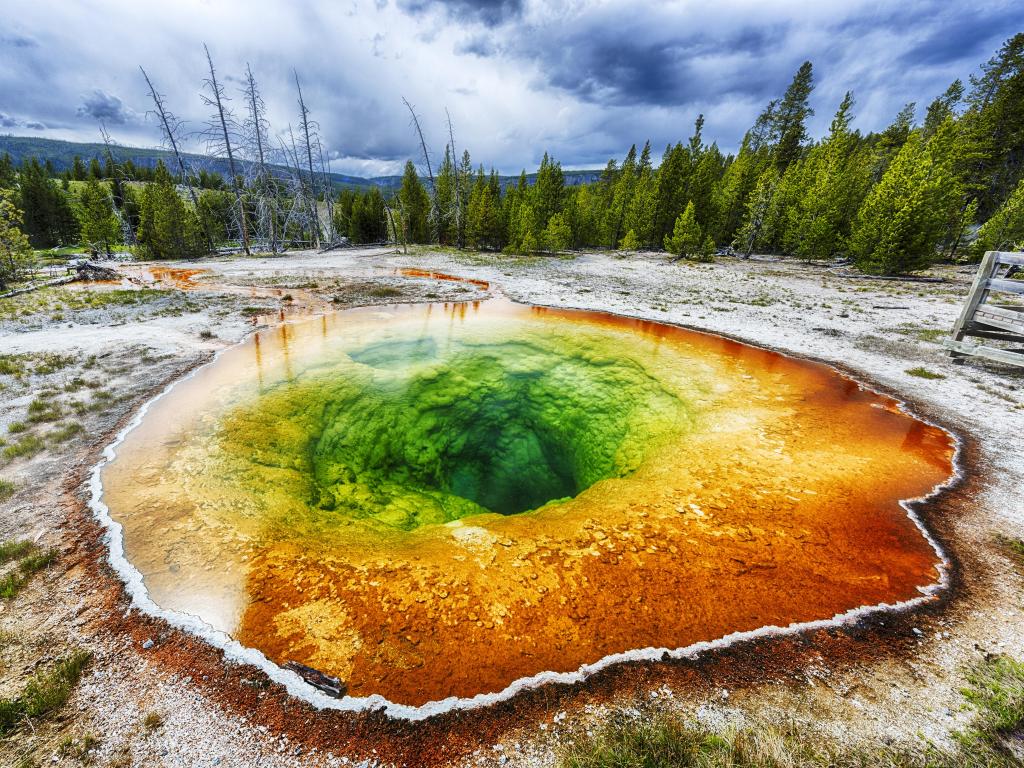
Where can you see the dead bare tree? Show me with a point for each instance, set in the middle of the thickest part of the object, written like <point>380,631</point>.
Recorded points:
<point>218,136</point>
<point>308,150</point>
<point>458,183</point>
<point>255,132</point>
<point>170,125</point>
<point>434,213</point>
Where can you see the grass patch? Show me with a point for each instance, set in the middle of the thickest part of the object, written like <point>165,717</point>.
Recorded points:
<point>1013,547</point>
<point>384,292</point>
<point>29,445</point>
<point>7,489</point>
<point>12,550</point>
<point>45,693</point>
<point>41,410</point>
<point>65,433</point>
<point>924,373</point>
<point>996,691</point>
<point>32,561</point>
<point>254,311</point>
<point>206,333</point>
<point>12,365</point>
<point>152,721</point>
<point>51,363</point>
<point>17,427</point>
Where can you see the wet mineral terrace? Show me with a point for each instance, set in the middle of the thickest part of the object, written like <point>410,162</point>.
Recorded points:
<point>438,500</point>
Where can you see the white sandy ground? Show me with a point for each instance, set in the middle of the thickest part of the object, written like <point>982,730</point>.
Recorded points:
<point>865,326</point>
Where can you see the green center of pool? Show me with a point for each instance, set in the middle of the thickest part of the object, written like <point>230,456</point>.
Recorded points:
<point>407,431</point>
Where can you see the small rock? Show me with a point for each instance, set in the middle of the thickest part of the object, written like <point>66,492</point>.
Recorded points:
<point>147,645</point>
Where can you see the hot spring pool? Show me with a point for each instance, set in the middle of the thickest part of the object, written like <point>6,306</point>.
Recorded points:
<point>434,501</point>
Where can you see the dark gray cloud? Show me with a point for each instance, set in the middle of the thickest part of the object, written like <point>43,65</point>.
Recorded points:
<point>105,107</point>
<point>17,41</point>
<point>489,12</point>
<point>579,79</point>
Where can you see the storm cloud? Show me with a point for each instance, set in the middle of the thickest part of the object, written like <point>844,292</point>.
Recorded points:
<point>582,80</point>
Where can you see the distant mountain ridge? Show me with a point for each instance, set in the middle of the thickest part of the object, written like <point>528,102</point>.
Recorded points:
<point>62,153</point>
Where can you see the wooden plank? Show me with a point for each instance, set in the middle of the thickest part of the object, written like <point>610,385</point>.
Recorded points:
<point>984,332</point>
<point>976,295</point>
<point>1006,286</point>
<point>988,353</point>
<point>1007,257</point>
<point>998,317</point>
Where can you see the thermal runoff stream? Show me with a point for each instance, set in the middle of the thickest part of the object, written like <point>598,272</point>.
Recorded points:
<point>430,501</point>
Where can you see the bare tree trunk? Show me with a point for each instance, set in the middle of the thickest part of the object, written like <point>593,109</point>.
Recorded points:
<point>169,124</point>
<point>430,171</point>
<point>309,158</point>
<point>263,187</point>
<point>458,184</point>
<point>217,100</point>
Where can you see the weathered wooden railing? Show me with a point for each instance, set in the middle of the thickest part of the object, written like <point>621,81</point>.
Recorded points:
<point>984,320</point>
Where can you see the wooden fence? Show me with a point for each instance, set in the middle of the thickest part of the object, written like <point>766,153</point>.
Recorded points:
<point>983,319</point>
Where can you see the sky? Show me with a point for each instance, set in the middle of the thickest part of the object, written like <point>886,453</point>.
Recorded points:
<point>580,79</point>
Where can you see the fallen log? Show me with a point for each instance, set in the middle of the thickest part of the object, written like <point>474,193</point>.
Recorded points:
<point>90,270</point>
<point>332,686</point>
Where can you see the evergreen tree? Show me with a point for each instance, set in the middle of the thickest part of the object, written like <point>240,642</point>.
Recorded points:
<point>167,228</point>
<point>759,207</point>
<point>415,204</point>
<point>7,174</point>
<point>14,245</point>
<point>99,225</point>
<point>630,242</point>
<point>835,186</point>
<point>789,121</point>
<point>446,179</point>
<point>78,172</point>
<point>215,213</point>
<point>996,120</point>
<point>557,235</point>
<point>1004,231</point>
<point>900,224</point>
<point>49,219</point>
<point>548,192</point>
<point>944,106</point>
<point>95,170</point>
<point>686,238</point>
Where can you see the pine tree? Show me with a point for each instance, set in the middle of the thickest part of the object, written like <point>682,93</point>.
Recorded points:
<point>686,237</point>
<point>1004,231</point>
<point>49,219</point>
<point>630,242</point>
<point>901,222</point>
<point>78,172</point>
<point>548,192</point>
<point>789,121</point>
<point>14,245</point>
<point>835,186</point>
<point>415,205</point>
<point>759,207</point>
<point>447,233</point>
<point>167,228</point>
<point>557,235</point>
<point>944,106</point>
<point>99,225</point>
<point>7,175</point>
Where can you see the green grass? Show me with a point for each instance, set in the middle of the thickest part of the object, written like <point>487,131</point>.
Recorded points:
<point>7,489</point>
<point>65,432</point>
<point>1013,547</point>
<point>385,292</point>
<point>29,445</point>
<point>12,365</point>
<point>13,550</point>
<point>45,693</point>
<point>33,561</point>
<point>42,410</point>
<point>924,373</point>
<point>653,740</point>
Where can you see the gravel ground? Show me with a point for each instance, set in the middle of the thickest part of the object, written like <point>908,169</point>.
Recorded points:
<point>875,329</point>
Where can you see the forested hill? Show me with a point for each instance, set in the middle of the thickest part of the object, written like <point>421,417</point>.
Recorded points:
<point>61,154</point>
